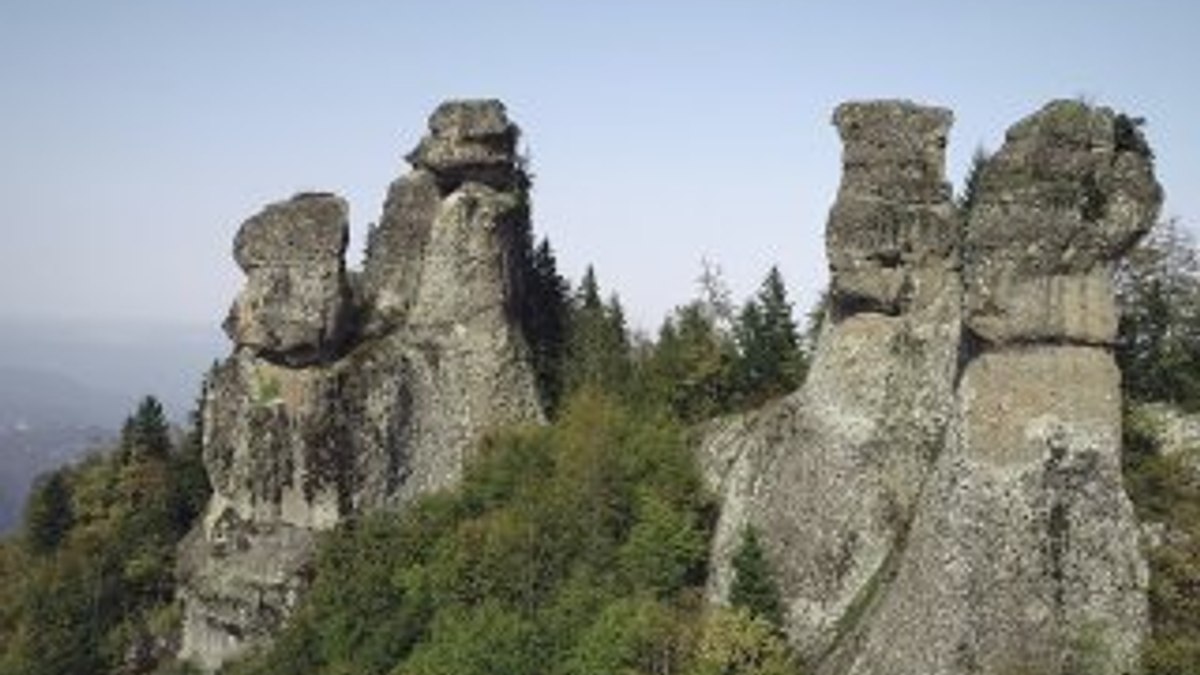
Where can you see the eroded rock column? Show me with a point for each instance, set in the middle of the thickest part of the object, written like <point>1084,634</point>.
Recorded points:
<point>829,475</point>
<point>342,398</point>
<point>1024,553</point>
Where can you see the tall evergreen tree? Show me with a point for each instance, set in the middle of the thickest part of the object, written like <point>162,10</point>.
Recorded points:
<point>544,318</point>
<point>598,348</point>
<point>48,515</point>
<point>771,360</point>
<point>146,433</point>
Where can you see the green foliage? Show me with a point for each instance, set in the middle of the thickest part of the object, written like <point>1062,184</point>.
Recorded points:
<point>754,586</point>
<point>970,191</point>
<point>690,369</point>
<point>1166,492</point>
<point>732,642</point>
<point>544,317</point>
<point>598,352</point>
<point>94,591</point>
<point>706,362</point>
<point>1158,344</point>
<point>771,360</point>
<point>48,515</point>
<point>566,549</point>
<point>146,432</point>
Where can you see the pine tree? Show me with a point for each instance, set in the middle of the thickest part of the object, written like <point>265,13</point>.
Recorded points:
<point>544,317</point>
<point>48,515</point>
<point>771,361</point>
<point>598,349</point>
<point>753,586</point>
<point>146,433</point>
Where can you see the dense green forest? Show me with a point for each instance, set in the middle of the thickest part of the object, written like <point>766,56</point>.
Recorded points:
<point>574,548</point>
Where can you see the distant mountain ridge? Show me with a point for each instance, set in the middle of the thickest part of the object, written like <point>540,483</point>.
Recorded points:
<point>66,385</point>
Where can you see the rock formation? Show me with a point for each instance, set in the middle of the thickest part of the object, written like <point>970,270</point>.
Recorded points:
<point>345,395</point>
<point>944,495</point>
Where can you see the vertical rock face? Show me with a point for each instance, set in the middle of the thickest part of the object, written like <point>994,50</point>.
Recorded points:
<point>944,494</point>
<point>1025,549</point>
<point>336,402</point>
<point>830,474</point>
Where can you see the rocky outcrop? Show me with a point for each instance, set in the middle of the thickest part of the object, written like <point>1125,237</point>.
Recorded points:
<point>830,474</point>
<point>982,527</point>
<point>295,307</point>
<point>344,397</point>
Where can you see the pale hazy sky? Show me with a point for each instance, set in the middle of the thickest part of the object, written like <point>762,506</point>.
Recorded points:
<point>136,136</point>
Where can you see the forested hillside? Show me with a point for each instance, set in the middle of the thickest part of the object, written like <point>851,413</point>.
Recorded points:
<point>579,547</point>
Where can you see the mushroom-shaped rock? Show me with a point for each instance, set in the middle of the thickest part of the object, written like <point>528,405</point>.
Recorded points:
<point>295,308</point>
<point>1069,192</point>
<point>470,140</point>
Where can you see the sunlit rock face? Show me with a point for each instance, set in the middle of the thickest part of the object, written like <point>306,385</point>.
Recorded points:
<point>944,495</point>
<point>344,394</point>
<point>830,474</point>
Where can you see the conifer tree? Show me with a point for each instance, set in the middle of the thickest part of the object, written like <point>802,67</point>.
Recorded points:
<point>48,515</point>
<point>544,316</point>
<point>753,586</point>
<point>598,350</point>
<point>146,433</point>
<point>771,360</point>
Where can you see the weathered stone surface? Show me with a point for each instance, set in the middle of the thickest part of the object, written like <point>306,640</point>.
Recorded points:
<point>295,446</point>
<point>893,219</point>
<point>295,306</point>
<point>1071,190</point>
<point>937,502</point>
<point>1024,553</point>
<point>395,248</point>
<point>470,141</point>
<point>830,474</point>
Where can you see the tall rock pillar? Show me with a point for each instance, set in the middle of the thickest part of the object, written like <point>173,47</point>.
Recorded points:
<point>1024,552</point>
<point>346,396</point>
<point>830,474</point>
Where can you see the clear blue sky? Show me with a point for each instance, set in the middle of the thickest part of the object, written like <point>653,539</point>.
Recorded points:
<point>136,136</point>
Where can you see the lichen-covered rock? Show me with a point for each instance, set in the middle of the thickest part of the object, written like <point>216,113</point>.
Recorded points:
<point>1024,552</point>
<point>470,141</point>
<point>295,445</point>
<point>944,495</point>
<point>1071,190</point>
<point>295,307</point>
<point>396,247</point>
<point>893,225</point>
<point>830,474</point>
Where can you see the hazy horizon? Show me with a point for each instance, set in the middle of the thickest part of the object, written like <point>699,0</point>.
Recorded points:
<point>138,135</point>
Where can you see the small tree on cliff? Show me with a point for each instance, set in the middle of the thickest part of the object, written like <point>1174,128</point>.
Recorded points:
<point>753,586</point>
